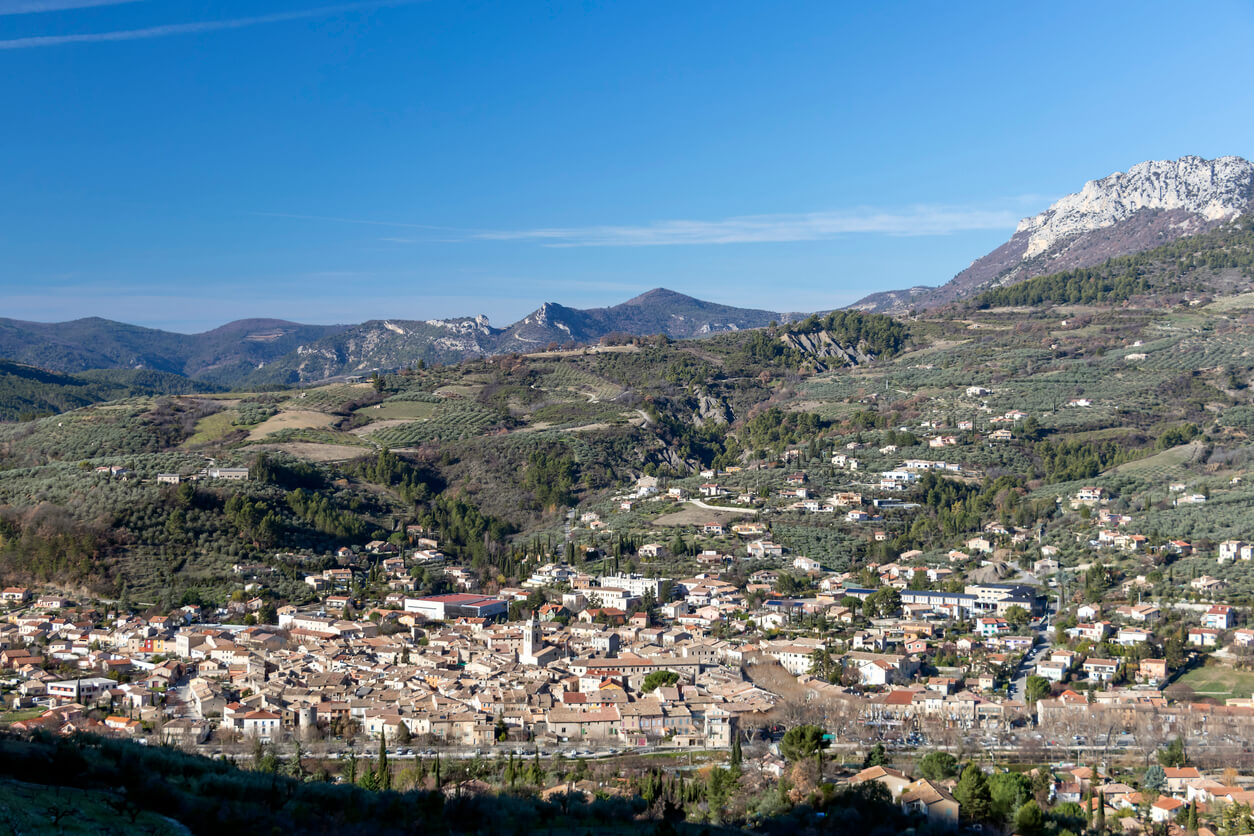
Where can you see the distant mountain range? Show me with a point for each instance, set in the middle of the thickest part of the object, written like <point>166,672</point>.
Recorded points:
<point>274,351</point>
<point>1152,204</point>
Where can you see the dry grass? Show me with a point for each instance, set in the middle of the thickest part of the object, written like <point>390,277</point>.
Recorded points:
<point>296,419</point>
<point>310,451</point>
<point>691,516</point>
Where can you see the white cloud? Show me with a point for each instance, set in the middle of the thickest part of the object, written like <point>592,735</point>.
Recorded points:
<point>756,229</point>
<point>167,30</point>
<point>26,7</point>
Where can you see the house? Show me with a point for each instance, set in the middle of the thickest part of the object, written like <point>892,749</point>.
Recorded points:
<point>231,474</point>
<point>980,544</point>
<point>15,595</point>
<point>931,801</point>
<point>1203,637</point>
<point>1088,495</point>
<point>807,564</point>
<point>263,725</point>
<point>1179,777</point>
<point>1102,670</point>
<point>1219,617</point>
<point>1131,635</point>
<point>1088,612</point>
<point>1206,583</point>
<point>1230,550</point>
<point>1153,671</point>
<point>992,626</point>
<point>764,548</point>
<point>895,782</point>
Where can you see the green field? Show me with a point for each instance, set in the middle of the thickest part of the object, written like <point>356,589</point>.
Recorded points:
<point>212,428</point>
<point>1219,681</point>
<point>20,715</point>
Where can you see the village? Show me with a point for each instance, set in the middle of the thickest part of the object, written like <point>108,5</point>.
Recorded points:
<point>983,647</point>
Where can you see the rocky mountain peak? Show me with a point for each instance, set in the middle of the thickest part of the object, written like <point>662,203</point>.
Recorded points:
<point>1215,190</point>
<point>1151,204</point>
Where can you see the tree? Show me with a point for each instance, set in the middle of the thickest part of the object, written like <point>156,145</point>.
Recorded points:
<point>1008,790</point>
<point>876,757</point>
<point>1036,688</point>
<point>384,774</point>
<point>973,795</point>
<point>657,679</point>
<point>1017,616</point>
<point>1173,755</point>
<point>801,742</point>
<point>737,756</point>
<point>1155,779</point>
<point>937,766</point>
<point>882,603</point>
<point>1030,819</point>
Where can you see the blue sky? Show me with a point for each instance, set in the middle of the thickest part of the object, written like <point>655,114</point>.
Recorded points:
<point>181,164</point>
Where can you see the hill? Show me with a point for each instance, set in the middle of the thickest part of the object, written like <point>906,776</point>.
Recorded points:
<point>27,392</point>
<point>223,354</point>
<point>1152,204</point>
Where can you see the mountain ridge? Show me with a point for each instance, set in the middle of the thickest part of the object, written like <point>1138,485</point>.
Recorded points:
<point>1153,203</point>
<point>264,350</point>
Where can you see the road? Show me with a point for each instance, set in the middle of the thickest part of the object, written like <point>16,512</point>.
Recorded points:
<point>1018,686</point>
<point>709,507</point>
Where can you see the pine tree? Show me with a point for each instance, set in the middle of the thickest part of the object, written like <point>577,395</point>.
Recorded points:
<point>737,756</point>
<point>973,794</point>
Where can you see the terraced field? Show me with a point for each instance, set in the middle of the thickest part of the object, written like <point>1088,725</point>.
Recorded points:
<point>328,398</point>
<point>451,421</point>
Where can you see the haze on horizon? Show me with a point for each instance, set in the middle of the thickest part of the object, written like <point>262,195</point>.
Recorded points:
<point>180,167</point>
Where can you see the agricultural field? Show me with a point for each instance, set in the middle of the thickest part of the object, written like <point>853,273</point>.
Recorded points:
<point>212,428</point>
<point>329,398</point>
<point>453,420</point>
<point>295,419</point>
<point>399,410</point>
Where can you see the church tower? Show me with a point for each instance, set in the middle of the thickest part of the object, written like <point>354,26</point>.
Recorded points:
<point>533,641</point>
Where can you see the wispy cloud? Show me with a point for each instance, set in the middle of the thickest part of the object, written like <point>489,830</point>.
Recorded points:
<point>757,229</point>
<point>28,7</point>
<point>189,28</point>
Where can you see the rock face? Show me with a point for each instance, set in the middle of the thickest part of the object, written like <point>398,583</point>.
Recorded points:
<point>1151,204</point>
<point>1213,190</point>
<point>824,351</point>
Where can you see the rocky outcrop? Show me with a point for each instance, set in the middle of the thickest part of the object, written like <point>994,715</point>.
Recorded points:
<point>711,410</point>
<point>825,351</point>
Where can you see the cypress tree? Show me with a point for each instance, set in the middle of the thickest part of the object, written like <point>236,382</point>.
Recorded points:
<point>384,774</point>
